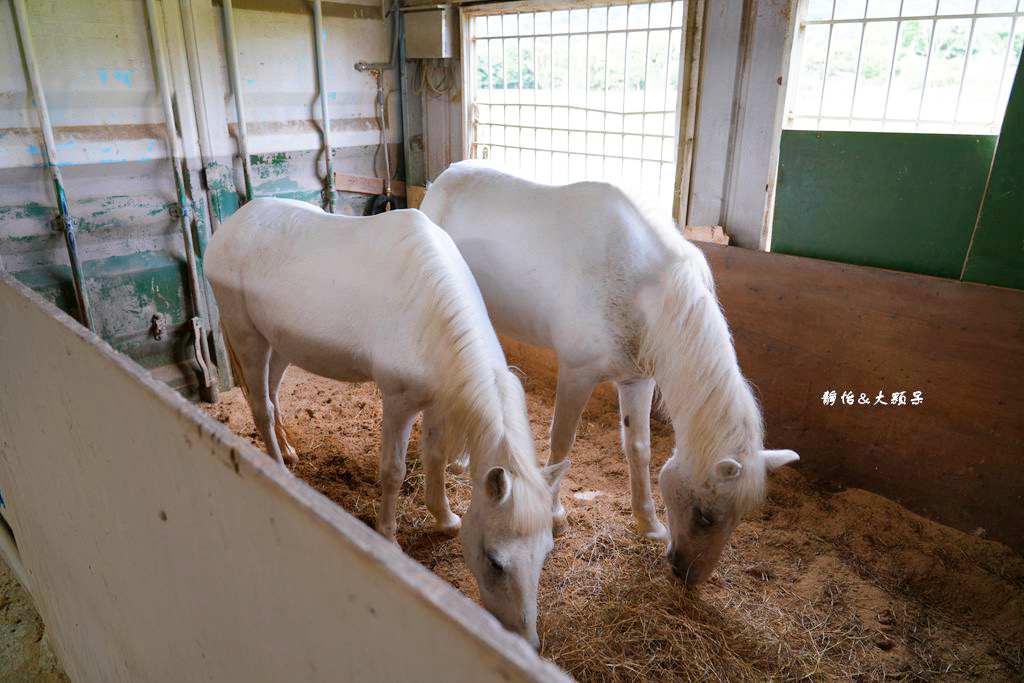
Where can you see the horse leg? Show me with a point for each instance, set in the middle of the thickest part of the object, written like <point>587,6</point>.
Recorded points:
<point>278,365</point>
<point>570,399</point>
<point>635,408</point>
<point>397,424</point>
<point>253,353</point>
<point>434,457</point>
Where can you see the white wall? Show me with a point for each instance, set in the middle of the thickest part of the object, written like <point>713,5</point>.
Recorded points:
<point>159,546</point>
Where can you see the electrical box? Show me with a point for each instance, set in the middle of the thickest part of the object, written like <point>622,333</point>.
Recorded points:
<point>431,32</point>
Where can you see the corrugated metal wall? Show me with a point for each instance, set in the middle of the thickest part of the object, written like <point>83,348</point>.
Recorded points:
<point>97,71</point>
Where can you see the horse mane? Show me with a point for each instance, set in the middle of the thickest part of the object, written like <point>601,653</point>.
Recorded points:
<point>483,402</point>
<point>687,347</point>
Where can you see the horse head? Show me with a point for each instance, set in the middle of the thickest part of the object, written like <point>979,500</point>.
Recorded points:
<point>704,507</point>
<point>506,536</point>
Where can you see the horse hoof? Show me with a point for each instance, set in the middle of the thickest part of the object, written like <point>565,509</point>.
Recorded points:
<point>449,528</point>
<point>559,526</point>
<point>290,457</point>
<point>457,467</point>
<point>655,532</point>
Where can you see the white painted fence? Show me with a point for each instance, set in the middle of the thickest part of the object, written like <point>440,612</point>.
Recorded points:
<point>158,546</point>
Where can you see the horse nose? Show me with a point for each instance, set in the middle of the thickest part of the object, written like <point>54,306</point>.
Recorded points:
<point>682,568</point>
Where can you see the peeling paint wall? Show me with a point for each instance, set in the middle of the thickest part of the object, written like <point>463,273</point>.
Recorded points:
<point>96,64</point>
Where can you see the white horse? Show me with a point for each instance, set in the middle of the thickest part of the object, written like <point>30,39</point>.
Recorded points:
<point>389,299</point>
<point>624,298</point>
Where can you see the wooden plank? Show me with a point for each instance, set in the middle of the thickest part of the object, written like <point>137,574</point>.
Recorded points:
<point>346,182</point>
<point>157,545</point>
<point>414,196</point>
<point>804,326</point>
<point>706,233</point>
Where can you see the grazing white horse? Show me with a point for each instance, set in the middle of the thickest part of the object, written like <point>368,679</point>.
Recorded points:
<point>389,299</point>
<point>620,297</point>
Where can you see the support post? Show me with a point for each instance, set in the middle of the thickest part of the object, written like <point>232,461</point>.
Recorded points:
<point>65,222</point>
<point>201,343</point>
<point>236,88</point>
<point>321,72</point>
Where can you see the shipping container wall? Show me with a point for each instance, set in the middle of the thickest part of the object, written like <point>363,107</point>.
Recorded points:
<point>97,71</point>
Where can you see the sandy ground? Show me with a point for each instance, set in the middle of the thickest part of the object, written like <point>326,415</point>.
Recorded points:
<point>24,654</point>
<point>822,582</point>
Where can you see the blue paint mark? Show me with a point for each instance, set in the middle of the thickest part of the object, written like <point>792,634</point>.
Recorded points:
<point>59,146</point>
<point>123,75</point>
<point>104,76</point>
<point>106,150</point>
<point>250,81</point>
<point>332,96</point>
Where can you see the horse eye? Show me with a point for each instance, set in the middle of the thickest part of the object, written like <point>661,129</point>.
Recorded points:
<point>495,565</point>
<point>702,519</point>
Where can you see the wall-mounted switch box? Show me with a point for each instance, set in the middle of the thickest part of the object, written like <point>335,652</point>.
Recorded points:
<point>431,32</point>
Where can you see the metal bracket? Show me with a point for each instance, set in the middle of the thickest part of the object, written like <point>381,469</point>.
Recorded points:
<point>158,325</point>
<point>199,334</point>
<point>62,223</point>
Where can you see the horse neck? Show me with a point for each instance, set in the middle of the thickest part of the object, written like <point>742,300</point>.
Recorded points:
<point>687,348</point>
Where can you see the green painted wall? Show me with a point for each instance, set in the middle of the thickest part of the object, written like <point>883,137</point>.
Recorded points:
<point>894,200</point>
<point>997,255</point>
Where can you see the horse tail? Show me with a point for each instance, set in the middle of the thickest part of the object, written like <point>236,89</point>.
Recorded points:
<point>281,428</point>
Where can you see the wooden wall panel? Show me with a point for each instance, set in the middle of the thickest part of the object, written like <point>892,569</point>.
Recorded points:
<point>804,326</point>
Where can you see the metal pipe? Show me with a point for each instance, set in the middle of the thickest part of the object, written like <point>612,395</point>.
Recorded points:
<point>236,87</point>
<point>386,66</point>
<point>64,220</point>
<point>377,69</point>
<point>321,71</point>
<point>185,215</point>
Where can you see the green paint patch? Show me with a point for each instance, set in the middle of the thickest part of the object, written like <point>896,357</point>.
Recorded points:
<point>893,200</point>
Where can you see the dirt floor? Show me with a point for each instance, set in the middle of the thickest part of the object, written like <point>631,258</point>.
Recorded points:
<point>823,582</point>
<point>24,655</point>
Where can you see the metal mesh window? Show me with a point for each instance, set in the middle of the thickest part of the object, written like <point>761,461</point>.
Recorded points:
<point>579,93</point>
<point>930,66</point>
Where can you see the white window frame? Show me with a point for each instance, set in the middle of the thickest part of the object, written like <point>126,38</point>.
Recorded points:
<point>879,124</point>
<point>678,114</point>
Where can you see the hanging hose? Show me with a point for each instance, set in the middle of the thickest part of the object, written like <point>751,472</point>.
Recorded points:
<point>384,202</point>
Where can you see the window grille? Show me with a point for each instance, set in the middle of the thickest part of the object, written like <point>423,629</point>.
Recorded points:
<point>929,66</point>
<point>574,93</point>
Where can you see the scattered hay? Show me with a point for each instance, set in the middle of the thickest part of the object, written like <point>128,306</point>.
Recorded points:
<point>823,583</point>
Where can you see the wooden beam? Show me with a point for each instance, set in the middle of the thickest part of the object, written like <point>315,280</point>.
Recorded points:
<point>345,182</point>
<point>706,233</point>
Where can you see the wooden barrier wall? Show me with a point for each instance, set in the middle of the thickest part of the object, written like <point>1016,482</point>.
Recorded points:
<point>804,326</point>
<point>158,546</point>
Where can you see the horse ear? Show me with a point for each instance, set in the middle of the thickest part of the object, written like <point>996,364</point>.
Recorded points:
<point>728,469</point>
<point>497,485</point>
<point>774,459</point>
<point>553,474</point>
